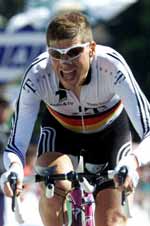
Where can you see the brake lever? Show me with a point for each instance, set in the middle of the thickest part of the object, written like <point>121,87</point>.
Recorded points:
<point>122,174</point>
<point>12,178</point>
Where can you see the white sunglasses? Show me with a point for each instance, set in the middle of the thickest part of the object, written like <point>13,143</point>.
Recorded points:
<point>72,52</point>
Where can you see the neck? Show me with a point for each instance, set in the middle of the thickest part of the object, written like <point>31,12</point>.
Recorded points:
<point>76,91</point>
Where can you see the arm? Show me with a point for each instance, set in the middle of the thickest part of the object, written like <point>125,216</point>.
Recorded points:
<point>138,110</point>
<point>27,108</point>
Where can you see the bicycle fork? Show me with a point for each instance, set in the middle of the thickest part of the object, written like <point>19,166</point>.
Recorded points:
<point>83,208</point>
<point>89,203</point>
<point>76,196</point>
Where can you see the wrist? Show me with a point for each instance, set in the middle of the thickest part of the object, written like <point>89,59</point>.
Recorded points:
<point>136,163</point>
<point>130,161</point>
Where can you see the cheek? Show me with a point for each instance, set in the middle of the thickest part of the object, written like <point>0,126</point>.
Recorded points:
<point>55,65</point>
<point>84,63</point>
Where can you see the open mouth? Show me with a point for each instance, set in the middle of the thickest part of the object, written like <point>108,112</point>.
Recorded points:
<point>68,74</point>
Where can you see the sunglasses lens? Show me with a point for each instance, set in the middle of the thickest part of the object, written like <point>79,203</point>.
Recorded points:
<point>75,51</point>
<point>55,54</point>
<point>71,53</point>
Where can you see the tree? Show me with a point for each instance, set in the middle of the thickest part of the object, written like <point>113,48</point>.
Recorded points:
<point>8,8</point>
<point>131,32</point>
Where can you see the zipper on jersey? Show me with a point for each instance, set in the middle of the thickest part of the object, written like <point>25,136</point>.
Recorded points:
<point>81,109</point>
<point>82,117</point>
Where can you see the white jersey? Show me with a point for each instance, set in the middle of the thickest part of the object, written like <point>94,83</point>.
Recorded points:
<point>109,87</point>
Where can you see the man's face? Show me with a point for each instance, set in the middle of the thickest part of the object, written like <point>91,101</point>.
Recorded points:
<point>73,65</point>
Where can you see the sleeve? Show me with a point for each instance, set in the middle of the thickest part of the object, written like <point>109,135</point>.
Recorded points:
<point>134,100</point>
<point>142,151</point>
<point>136,106</point>
<point>26,111</point>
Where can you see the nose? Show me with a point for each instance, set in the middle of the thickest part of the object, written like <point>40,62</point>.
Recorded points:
<point>65,60</point>
<point>64,56</point>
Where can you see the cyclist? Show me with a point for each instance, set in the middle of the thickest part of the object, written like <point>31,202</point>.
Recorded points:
<point>89,92</point>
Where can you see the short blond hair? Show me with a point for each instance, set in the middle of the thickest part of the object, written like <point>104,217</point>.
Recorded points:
<point>68,26</point>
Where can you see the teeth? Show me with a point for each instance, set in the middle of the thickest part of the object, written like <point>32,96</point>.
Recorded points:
<point>67,71</point>
<point>67,75</point>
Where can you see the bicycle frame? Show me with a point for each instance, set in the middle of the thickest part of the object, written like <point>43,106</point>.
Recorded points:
<point>82,208</point>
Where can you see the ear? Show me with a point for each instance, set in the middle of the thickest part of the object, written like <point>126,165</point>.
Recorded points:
<point>92,48</point>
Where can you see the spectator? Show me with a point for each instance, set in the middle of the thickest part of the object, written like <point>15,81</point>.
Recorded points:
<point>4,132</point>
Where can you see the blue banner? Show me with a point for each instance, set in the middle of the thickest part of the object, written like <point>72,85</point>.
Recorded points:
<point>17,50</point>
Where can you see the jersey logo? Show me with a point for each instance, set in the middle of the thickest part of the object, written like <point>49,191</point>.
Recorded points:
<point>119,77</point>
<point>62,95</point>
<point>29,86</point>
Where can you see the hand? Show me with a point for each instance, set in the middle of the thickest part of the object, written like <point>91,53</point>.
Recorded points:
<point>130,178</point>
<point>5,183</point>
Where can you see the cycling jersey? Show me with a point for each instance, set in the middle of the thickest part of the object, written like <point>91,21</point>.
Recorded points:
<point>109,86</point>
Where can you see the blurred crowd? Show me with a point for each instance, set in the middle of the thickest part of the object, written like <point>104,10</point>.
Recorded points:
<point>4,132</point>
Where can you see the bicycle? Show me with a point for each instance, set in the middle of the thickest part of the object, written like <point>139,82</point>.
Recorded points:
<point>79,201</point>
